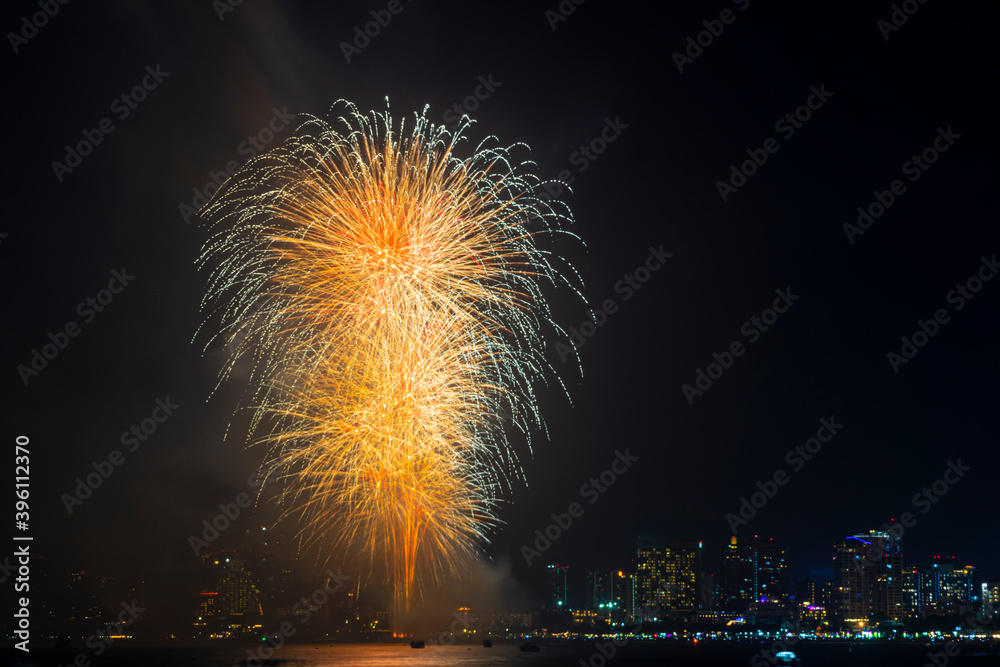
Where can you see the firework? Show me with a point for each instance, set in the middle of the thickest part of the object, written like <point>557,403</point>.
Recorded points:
<point>388,297</point>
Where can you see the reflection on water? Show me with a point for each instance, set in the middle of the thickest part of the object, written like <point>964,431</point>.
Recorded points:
<point>552,653</point>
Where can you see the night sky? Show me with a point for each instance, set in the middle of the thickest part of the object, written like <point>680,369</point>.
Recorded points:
<point>679,122</point>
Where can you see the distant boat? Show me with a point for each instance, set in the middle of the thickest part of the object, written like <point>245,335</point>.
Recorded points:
<point>788,658</point>
<point>529,647</point>
<point>488,643</point>
<point>417,643</point>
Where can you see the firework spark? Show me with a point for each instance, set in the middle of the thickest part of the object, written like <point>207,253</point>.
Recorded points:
<point>389,297</point>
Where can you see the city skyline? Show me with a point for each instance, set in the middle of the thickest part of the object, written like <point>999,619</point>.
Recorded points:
<point>260,585</point>
<point>779,317</point>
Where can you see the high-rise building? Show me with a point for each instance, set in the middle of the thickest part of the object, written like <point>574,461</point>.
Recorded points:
<point>706,593</point>
<point>943,586</point>
<point>272,557</point>
<point>911,591</point>
<point>869,578</point>
<point>753,571</point>
<point>771,569</point>
<point>990,596</point>
<point>739,574</point>
<point>957,584</point>
<point>229,604</point>
<point>624,594</point>
<point>814,598</point>
<point>558,580</point>
<point>667,575</point>
<point>598,589</point>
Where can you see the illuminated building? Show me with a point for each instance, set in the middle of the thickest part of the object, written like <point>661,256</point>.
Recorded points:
<point>957,583</point>
<point>558,579</point>
<point>771,568</point>
<point>753,571</point>
<point>271,556</point>
<point>911,591</point>
<point>814,599</point>
<point>943,586</point>
<point>228,602</point>
<point>667,575</point>
<point>990,596</point>
<point>507,625</point>
<point>869,578</point>
<point>623,589</point>
<point>739,575</point>
<point>599,590</point>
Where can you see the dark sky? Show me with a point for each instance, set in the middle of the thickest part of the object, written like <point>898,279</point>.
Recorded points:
<point>884,101</point>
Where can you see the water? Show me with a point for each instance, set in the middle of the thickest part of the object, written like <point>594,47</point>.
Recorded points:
<point>553,653</point>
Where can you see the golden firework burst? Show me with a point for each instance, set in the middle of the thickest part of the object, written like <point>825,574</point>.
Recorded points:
<point>389,297</point>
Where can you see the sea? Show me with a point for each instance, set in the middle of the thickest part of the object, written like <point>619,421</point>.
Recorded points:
<point>551,653</point>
